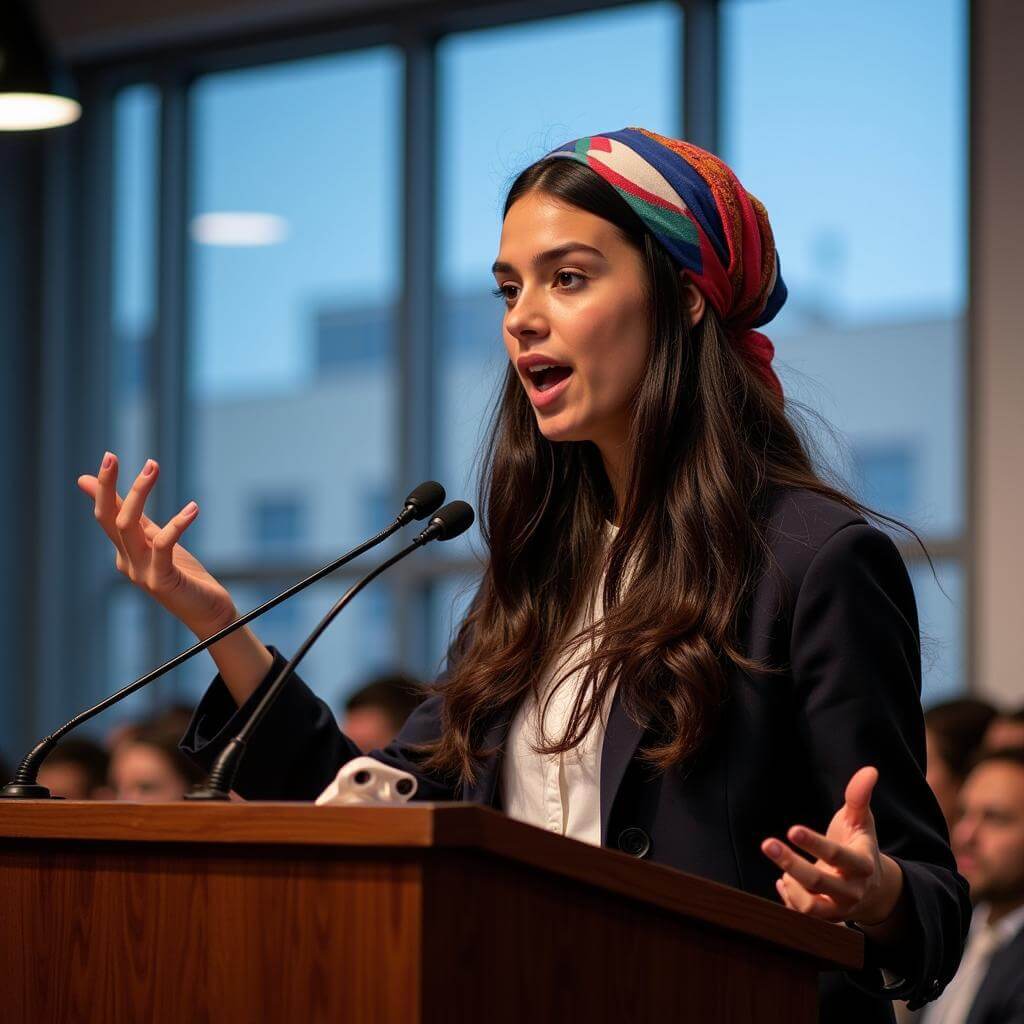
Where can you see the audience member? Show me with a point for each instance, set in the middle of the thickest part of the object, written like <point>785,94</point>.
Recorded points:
<point>989,844</point>
<point>953,732</point>
<point>147,766</point>
<point>375,713</point>
<point>76,769</point>
<point>1005,730</point>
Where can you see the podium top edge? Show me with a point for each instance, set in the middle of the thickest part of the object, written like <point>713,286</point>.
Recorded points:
<point>421,827</point>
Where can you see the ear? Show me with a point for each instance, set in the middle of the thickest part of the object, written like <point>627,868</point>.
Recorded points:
<point>694,300</point>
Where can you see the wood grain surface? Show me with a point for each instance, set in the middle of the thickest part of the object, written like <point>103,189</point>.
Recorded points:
<point>304,827</point>
<point>547,951</point>
<point>115,934</point>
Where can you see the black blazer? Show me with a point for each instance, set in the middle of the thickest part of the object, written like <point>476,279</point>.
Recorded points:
<point>1000,997</point>
<point>838,607</point>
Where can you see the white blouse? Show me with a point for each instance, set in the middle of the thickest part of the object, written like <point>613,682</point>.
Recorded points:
<point>559,792</point>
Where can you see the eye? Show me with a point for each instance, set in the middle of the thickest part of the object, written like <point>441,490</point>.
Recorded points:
<point>501,292</point>
<point>569,285</point>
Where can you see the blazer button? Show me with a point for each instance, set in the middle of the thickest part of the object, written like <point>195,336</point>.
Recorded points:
<point>634,841</point>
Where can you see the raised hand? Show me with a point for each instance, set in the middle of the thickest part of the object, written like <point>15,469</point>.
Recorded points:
<point>151,556</point>
<point>850,879</point>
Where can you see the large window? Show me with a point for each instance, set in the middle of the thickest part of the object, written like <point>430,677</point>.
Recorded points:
<point>849,122</point>
<point>267,254</point>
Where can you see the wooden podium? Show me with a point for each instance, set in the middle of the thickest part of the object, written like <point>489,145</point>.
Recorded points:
<point>260,913</point>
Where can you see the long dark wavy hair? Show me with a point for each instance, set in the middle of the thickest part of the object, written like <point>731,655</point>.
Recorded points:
<point>710,443</point>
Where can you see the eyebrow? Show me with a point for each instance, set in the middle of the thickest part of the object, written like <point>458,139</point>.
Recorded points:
<point>500,267</point>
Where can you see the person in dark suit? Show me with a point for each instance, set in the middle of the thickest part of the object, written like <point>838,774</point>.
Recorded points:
<point>686,644</point>
<point>989,843</point>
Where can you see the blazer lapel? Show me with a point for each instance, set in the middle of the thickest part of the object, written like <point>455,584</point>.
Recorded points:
<point>621,739</point>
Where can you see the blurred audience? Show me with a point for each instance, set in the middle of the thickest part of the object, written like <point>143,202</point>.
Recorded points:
<point>147,766</point>
<point>375,713</point>
<point>76,769</point>
<point>174,716</point>
<point>989,844</point>
<point>954,732</point>
<point>1005,730</point>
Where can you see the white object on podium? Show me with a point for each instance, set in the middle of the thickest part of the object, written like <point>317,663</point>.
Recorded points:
<point>364,780</point>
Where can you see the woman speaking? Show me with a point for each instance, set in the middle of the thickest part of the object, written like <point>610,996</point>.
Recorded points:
<point>686,644</point>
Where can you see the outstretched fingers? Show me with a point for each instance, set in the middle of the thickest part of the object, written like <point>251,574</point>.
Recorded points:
<point>102,488</point>
<point>851,863</point>
<point>797,898</point>
<point>129,515</point>
<point>813,878</point>
<point>164,540</point>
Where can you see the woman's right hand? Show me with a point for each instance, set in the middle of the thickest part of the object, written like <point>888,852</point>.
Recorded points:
<point>150,555</point>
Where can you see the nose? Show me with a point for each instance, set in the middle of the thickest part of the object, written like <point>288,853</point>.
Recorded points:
<point>526,320</point>
<point>964,832</point>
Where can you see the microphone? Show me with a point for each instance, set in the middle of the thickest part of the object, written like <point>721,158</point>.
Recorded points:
<point>452,520</point>
<point>422,501</point>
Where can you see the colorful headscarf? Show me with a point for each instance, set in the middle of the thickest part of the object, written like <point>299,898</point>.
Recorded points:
<point>711,226</point>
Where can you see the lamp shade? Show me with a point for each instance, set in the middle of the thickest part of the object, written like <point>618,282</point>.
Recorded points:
<point>35,90</point>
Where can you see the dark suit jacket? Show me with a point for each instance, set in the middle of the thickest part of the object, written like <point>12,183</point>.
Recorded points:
<point>837,607</point>
<point>1000,997</point>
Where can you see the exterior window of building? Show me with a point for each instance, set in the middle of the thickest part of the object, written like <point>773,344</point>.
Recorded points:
<point>130,649</point>
<point>886,475</point>
<point>294,274</point>
<point>278,523</point>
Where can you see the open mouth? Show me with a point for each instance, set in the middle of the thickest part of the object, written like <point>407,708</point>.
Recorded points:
<point>546,376</point>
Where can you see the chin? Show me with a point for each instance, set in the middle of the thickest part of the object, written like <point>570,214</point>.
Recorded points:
<point>554,428</point>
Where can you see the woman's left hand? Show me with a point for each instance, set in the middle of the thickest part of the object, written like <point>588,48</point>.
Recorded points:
<point>850,878</point>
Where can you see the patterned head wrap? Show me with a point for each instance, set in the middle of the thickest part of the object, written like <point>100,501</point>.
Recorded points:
<point>711,226</point>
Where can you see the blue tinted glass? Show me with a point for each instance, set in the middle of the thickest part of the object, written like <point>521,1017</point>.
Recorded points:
<point>133,310</point>
<point>359,644</point>
<point>887,476</point>
<point>509,95</point>
<point>129,655</point>
<point>449,601</point>
<point>133,298</point>
<point>278,523</point>
<point>849,122</point>
<point>941,609</point>
<point>293,274</point>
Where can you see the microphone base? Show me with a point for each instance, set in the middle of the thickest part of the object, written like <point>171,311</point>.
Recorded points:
<point>25,791</point>
<point>207,793</point>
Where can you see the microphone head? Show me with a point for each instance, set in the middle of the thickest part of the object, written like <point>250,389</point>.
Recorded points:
<point>425,499</point>
<point>454,519</point>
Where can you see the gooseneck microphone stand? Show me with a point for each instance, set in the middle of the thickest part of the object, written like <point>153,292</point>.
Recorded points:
<point>420,503</point>
<point>452,520</point>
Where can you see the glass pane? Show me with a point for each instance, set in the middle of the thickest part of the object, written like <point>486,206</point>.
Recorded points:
<point>293,274</point>
<point>558,88</point>
<point>941,610</point>
<point>130,655</point>
<point>449,601</point>
<point>359,644</point>
<point>849,122</point>
<point>136,114</point>
<point>133,302</point>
